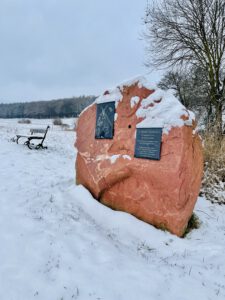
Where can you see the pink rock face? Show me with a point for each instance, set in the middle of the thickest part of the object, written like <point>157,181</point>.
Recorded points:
<point>162,193</point>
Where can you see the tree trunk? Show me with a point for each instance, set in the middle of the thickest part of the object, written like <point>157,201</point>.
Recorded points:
<point>218,121</point>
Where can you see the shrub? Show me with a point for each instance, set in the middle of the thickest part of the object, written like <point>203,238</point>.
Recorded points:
<point>214,169</point>
<point>65,126</point>
<point>24,121</point>
<point>193,223</point>
<point>57,122</point>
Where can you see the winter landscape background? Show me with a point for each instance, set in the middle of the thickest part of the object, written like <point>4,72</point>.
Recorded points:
<point>57,242</point>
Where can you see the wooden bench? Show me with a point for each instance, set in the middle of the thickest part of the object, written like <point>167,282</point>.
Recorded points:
<point>31,137</point>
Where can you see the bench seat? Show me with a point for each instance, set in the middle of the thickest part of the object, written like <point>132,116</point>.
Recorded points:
<point>31,137</point>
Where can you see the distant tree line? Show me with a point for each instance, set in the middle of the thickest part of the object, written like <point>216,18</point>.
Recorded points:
<point>67,107</point>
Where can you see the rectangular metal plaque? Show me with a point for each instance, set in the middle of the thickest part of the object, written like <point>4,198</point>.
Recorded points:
<point>148,143</point>
<point>105,120</point>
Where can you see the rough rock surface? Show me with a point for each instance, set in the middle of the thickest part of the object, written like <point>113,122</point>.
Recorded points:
<point>162,193</point>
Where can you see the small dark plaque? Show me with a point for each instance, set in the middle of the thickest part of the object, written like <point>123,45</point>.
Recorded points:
<point>148,143</point>
<point>105,120</point>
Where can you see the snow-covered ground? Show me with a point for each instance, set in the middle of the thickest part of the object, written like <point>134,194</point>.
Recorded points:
<point>58,243</point>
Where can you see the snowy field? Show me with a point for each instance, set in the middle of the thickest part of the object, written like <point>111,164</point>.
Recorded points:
<point>58,243</point>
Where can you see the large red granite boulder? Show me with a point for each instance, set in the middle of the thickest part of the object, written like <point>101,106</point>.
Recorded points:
<point>161,192</point>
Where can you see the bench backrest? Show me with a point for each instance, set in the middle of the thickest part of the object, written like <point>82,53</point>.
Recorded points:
<point>37,130</point>
<point>40,130</point>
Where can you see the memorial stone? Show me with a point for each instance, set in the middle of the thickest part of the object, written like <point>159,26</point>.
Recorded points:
<point>138,152</point>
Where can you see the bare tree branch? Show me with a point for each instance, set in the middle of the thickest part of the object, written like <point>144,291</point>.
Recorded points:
<point>186,33</point>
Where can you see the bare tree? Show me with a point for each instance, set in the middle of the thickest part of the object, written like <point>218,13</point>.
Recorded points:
<point>190,87</point>
<point>180,83</point>
<point>191,33</point>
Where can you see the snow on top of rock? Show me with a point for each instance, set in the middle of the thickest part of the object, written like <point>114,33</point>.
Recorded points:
<point>162,109</point>
<point>110,96</point>
<point>191,118</point>
<point>116,94</point>
<point>141,81</point>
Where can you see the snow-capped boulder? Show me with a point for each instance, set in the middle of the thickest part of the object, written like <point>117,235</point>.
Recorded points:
<point>161,192</point>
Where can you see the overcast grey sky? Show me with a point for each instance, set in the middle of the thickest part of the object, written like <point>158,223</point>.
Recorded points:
<point>54,48</point>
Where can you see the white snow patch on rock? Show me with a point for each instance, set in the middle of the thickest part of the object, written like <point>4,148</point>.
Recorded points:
<point>166,114</point>
<point>113,158</point>
<point>134,101</point>
<point>191,118</point>
<point>140,80</point>
<point>126,157</point>
<point>112,95</point>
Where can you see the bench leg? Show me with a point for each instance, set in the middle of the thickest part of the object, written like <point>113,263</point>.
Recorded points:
<point>28,144</point>
<point>32,146</point>
<point>40,146</point>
